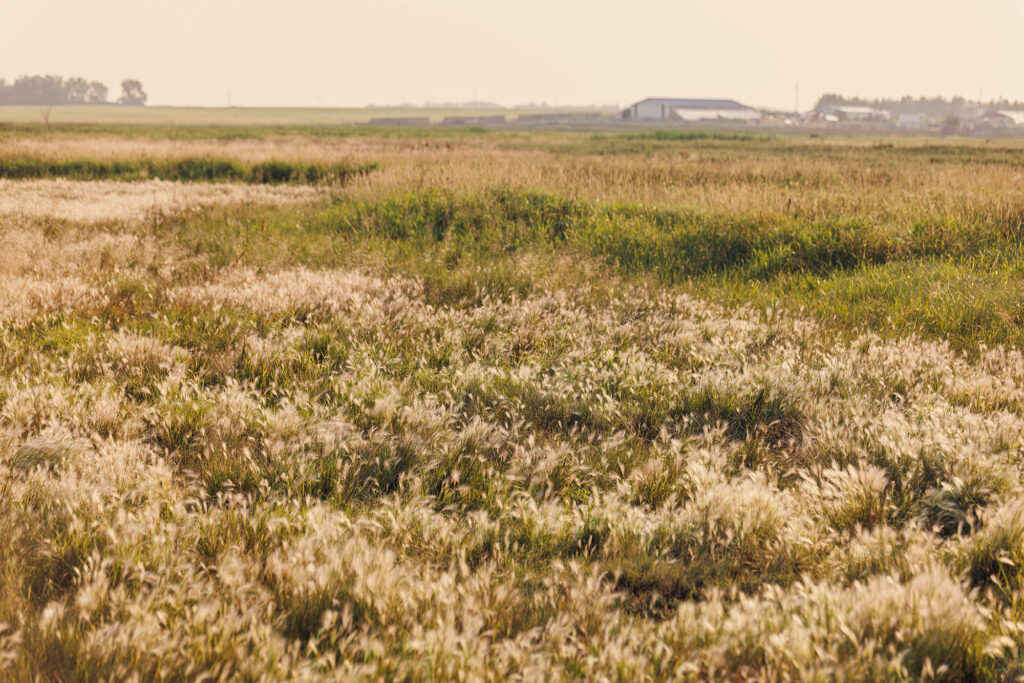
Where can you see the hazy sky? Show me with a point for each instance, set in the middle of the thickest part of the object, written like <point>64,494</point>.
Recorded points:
<point>348,53</point>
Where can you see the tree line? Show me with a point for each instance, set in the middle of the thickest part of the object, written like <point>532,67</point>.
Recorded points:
<point>56,90</point>
<point>936,107</point>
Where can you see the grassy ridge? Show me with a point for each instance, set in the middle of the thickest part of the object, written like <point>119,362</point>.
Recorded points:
<point>947,278</point>
<point>950,278</point>
<point>675,245</point>
<point>184,170</point>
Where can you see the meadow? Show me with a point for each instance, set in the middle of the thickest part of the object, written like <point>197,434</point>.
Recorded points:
<point>482,405</point>
<point>289,117</point>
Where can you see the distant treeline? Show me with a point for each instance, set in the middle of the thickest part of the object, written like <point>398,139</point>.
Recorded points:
<point>936,107</point>
<point>56,90</point>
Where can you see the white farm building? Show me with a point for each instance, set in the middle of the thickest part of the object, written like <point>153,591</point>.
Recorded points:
<point>675,109</point>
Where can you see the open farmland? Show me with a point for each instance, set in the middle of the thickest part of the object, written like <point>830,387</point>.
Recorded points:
<point>259,116</point>
<point>618,406</point>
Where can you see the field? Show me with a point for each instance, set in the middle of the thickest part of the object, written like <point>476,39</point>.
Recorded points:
<point>240,116</point>
<point>476,405</point>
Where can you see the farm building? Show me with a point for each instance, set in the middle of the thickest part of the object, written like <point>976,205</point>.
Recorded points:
<point>845,113</point>
<point>912,121</point>
<point>1003,119</point>
<point>674,109</point>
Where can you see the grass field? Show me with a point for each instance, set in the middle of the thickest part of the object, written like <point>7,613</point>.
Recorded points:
<point>237,116</point>
<point>510,404</point>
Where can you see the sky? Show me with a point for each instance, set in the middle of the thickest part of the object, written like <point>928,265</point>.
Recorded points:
<point>562,52</point>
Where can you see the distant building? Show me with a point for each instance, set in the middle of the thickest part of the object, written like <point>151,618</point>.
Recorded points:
<point>844,113</point>
<point>674,109</point>
<point>912,121</point>
<point>782,118</point>
<point>998,119</point>
<point>1017,116</point>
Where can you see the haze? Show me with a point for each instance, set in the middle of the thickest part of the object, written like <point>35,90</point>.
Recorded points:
<point>315,52</point>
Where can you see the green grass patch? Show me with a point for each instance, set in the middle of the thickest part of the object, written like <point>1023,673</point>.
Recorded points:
<point>184,170</point>
<point>952,278</point>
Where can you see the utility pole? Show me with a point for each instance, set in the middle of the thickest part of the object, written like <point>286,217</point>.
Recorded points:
<point>796,98</point>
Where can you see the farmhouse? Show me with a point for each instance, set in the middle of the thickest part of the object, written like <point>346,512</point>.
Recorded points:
<point>675,109</point>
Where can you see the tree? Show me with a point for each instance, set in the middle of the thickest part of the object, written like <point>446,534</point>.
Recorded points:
<point>934,107</point>
<point>48,91</point>
<point>76,90</point>
<point>132,93</point>
<point>97,93</point>
<point>38,90</point>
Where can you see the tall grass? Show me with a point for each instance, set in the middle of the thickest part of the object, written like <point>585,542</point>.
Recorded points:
<point>670,243</point>
<point>952,278</point>
<point>451,426</point>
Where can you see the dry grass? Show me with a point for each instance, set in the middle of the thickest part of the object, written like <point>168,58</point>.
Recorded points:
<point>849,180</point>
<point>488,464</point>
<point>104,201</point>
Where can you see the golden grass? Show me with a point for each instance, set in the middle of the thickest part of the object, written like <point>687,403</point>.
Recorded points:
<point>482,465</point>
<point>106,201</point>
<point>851,182</point>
